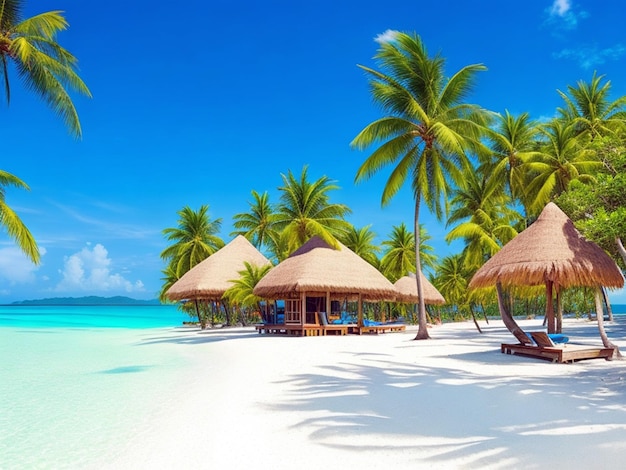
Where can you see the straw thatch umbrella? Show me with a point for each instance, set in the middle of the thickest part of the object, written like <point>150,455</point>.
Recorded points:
<point>407,291</point>
<point>552,252</point>
<point>318,269</point>
<point>209,279</point>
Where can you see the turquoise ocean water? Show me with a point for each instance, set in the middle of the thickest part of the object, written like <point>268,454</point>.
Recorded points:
<point>77,383</point>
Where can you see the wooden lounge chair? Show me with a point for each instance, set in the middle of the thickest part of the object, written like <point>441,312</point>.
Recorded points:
<point>331,328</point>
<point>546,349</point>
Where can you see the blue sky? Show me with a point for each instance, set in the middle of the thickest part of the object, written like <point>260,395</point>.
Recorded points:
<point>204,103</point>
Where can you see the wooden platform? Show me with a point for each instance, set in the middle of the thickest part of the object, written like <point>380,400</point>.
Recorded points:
<point>302,330</point>
<point>559,353</point>
<point>377,329</point>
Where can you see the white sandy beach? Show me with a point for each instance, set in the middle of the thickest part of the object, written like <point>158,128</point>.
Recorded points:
<point>251,401</point>
<point>181,398</point>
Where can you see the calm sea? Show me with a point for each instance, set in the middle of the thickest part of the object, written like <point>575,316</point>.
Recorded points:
<point>157,316</point>
<point>77,383</point>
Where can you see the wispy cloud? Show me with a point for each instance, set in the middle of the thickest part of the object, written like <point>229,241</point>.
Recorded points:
<point>563,15</point>
<point>16,268</point>
<point>591,57</point>
<point>388,36</point>
<point>89,270</point>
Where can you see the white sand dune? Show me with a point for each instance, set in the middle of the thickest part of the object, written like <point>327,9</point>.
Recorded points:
<point>386,401</point>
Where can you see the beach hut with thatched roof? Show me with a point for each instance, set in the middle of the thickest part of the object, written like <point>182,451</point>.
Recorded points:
<point>407,291</point>
<point>318,270</point>
<point>550,252</point>
<point>209,279</point>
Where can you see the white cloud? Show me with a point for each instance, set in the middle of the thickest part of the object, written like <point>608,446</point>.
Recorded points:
<point>560,7</point>
<point>590,57</point>
<point>89,270</point>
<point>15,267</point>
<point>388,36</point>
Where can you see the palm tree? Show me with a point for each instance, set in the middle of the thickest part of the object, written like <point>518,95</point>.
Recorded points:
<point>564,157</point>
<point>513,142</point>
<point>194,239</point>
<point>241,293</point>
<point>482,218</point>
<point>257,225</point>
<point>399,257</point>
<point>43,65</point>
<point>361,241</point>
<point>428,133</point>
<point>11,221</point>
<point>589,107</point>
<point>304,211</point>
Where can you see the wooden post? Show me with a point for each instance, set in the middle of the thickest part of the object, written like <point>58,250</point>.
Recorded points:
<point>360,311</point>
<point>549,307</point>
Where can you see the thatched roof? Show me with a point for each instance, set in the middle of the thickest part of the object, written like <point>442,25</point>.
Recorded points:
<point>407,291</point>
<point>551,249</point>
<point>317,267</point>
<point>212,277</point>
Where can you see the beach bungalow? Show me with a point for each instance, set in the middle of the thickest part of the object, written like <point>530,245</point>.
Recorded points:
<point>209,279</point>
<point>314,280</point>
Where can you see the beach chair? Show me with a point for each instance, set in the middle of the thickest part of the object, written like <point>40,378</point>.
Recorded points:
<point>331,328</point>
<point>543,347</point>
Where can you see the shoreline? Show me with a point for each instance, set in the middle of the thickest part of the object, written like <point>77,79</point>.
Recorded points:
<point>231,398</point>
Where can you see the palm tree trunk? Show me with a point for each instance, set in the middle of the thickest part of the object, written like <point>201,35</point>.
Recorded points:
<point>620,248</point>
<point>600,316</point>
<point>422,329</point>
<point>609,309</point>
<point>505,313</point>
<point>474,318</point>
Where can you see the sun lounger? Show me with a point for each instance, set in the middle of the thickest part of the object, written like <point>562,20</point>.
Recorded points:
<point>545,348</point>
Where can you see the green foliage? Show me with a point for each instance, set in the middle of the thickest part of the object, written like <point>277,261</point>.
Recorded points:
<point>41,63</point>
<point>11,222</point>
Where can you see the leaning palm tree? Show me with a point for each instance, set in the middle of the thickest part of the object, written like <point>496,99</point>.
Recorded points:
<point>427,134</point>
<point>43,65</point>
<point>194,239</point>
<point>589,107</point>
<point>305,210</point>
<point>11,222</point>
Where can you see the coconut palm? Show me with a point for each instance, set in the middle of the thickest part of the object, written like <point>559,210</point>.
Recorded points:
<point>399,257</point>
<point>513,142</point>
<point>194,239</point>
<point>42,64</point>
<point>11,222</point>
<point>482,218</point>
<point>589,107</point>
<point>241,293</point>
<point>361,241</point>
<point>428,131</point>
<point>304,210</point>
<point>565,157</point>
<point>257,225</point>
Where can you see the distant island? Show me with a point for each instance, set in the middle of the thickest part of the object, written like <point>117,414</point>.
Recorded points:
<point>89,300</point>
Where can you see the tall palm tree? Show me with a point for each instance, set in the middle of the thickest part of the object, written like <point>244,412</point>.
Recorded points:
<point>589,107</point>
<point>428,131</point>
<point>257,225</point>
<point>565,157</point>
<point>361,241</point>
<point>194,239</point>
<point>11,221</point>
<point>43,65</point>
<point>305,210</point>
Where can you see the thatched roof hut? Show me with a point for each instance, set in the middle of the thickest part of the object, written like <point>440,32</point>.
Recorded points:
<point>552,252</point>
<point>212,277</point>
<point>551,249</point>
<point>317,268</point>
<point>407,291</point>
